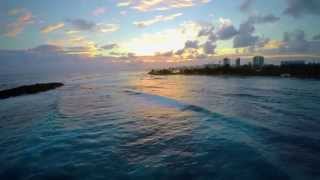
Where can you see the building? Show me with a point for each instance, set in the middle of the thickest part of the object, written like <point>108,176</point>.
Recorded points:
<point>258,61</point>
<point>226,62</point>
<point>238,63</point>
<point>293,63</point>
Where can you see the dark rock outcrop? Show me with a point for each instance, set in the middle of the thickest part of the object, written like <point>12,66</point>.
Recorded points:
<point>29,89</point>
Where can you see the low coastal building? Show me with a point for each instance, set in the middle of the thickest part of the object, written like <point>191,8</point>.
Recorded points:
<point>293,63</point>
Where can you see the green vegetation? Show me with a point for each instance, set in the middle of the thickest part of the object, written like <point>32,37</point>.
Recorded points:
<point>305,71</point>
<point>29,89</point>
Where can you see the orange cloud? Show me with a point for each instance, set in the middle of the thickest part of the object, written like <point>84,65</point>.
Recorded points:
<point>156,19</point>
<point>24,18</point>
<point>53,27</point>
<point>160,5</point>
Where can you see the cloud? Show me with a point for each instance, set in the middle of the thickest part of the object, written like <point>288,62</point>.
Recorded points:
<point>70,32</point>
<point>156,19</point>
<point>163,41</point>
<point>165,54</point>
<point>226,29</point>
<point>179,52</point>
<point>53,27</point>
<point>203,42</point>
<point>316,37</point>
<point>299,8</point>
<point>16,11</point>
<point>191,44</point>
<point>246,37</point>
<point>160,5</point>
<point>71,45</point>
<point>85,25</point>
<point>122,54</point>
<point>79,50</point>
<point>71,41</point>
<point>49,59</point>
<point>24,18</point>
<point>203,46</point>
<point>105,28</point>
<point>246,5</point>
<point>109,46</point>
<point>295,42</point>
<point>82,24</point>
<point>209,47</point>
<point>99,11</point>
<point>124,3</point>
<point>46,48</point>
<point>206,30</point>
<point>260,19</point>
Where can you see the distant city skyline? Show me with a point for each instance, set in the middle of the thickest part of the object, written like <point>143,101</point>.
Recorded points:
<point>162,30</point>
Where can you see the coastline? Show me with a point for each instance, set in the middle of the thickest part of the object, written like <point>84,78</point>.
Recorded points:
<point>298,71</point>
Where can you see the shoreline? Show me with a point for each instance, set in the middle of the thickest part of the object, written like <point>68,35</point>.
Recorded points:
<point>301,71</point>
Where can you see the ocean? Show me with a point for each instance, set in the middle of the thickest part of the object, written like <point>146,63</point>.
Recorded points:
<point>131,125</point>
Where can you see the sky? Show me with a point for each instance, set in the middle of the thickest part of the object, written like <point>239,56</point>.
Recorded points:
<point>161,30</point>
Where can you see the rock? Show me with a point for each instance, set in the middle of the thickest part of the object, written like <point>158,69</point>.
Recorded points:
<point>29,89</point>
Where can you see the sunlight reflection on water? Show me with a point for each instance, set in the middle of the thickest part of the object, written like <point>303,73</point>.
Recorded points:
<point>136,126</point>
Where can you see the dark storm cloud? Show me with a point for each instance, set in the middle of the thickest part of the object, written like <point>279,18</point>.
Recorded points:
<point>260,19</point>
<point>299,8</point>
<point>246,5</point>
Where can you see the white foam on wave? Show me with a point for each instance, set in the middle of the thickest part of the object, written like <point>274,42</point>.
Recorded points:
<point>165,101</point>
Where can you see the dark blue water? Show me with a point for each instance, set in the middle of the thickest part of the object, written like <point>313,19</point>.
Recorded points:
<point>136,126</point>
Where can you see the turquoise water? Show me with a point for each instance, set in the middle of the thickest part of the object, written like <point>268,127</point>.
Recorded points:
<point>134,126</point>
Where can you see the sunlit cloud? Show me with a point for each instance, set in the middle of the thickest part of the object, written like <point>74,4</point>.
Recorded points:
<point>23,18</point>
<point>274,44</point>
<point>70,32</point>
<point>105,28</point>
<point>124,3</point>
<point>156,19</point>
<point>162,41</point>
<point>81,45</point>
<point>160,5</point>
<point>245,29</point>
<point>52,27</point>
